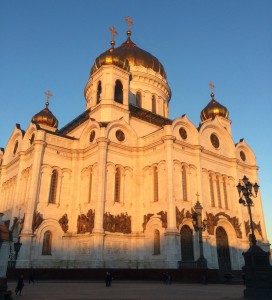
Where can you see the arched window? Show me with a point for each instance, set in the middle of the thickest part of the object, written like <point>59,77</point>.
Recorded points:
<point>98,93</point>
<point>47,243</point>
<point>186,243</point>
<point>53,187</point>
<point>15,147</point>
<point>153,104</point>
<point>211,190</point>
<point>155,184</point>
<point>225,193</point>
<point>218,191</point>
<point>184,183</point>
<point>118,92</point>
<point>157,246</point>
<point>138,99</point>
<point>117,190</point>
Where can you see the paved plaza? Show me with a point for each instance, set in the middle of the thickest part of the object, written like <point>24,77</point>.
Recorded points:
<point>126,290</point>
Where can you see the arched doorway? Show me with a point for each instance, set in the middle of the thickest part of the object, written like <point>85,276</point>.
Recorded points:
<point>186,243</point>
<point>223,253</point>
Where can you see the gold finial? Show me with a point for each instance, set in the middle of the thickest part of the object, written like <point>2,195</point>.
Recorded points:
<point>197,195</point>
<point>113,33</point>
<point>48,95</point>
<point>129,21</point>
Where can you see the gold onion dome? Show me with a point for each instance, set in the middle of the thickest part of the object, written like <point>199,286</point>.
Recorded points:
<point>135,56</point>
<point>45,117</point>
<point>214,109</point>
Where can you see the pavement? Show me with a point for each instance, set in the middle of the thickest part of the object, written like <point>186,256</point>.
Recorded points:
<point>125,290</point>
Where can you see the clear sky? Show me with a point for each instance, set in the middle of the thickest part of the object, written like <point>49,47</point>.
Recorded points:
<point>52,44</point>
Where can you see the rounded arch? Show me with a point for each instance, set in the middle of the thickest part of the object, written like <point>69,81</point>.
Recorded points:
<point>226,144</point>
<point>191,130</point>
<point>85,138</point>
<point>244,153</point>
<point>130,134</point>
<point>28,137</point>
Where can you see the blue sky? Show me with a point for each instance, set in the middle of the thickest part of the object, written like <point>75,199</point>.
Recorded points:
<point>51,45</point>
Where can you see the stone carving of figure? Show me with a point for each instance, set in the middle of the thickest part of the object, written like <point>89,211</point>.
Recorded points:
<point>37,220</point>
<point>63,221</point>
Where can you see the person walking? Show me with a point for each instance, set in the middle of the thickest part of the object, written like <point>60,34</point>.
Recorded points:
<point>108,279</point>
<point>20,285</point>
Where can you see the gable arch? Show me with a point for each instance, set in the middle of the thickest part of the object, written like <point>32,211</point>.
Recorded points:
<point>32,129</point>
<point>84,140</point>
<point>250,157</point>
<point>191,130</point>
<point>129,132</point>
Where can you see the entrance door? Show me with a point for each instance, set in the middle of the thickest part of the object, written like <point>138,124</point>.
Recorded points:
<point>186,242</point>
<point>223,252</point>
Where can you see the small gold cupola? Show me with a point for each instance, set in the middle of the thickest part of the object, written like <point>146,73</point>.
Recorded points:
<point>45,118</point>
<point>214,108</point>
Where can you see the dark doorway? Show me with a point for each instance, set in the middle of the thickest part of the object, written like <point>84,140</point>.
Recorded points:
<point>186,242</point>
<point>223,252</point>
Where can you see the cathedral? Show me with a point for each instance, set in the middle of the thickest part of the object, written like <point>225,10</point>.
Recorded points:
<point>119,186</point>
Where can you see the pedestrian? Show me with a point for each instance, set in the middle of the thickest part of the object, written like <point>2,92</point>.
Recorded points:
<point>108,279</point>
<point>20,285</point>
<point>31,277</point>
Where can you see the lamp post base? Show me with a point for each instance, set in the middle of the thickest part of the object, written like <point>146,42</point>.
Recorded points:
<point>258,274</point>
<point>202,262</point>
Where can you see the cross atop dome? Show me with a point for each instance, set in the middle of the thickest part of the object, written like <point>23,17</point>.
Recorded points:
<point>48,95</point>
<point>113,33</point>
<point>129,22</point>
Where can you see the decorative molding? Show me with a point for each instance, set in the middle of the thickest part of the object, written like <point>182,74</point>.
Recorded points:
<point>163,217</point>
<point>181,215</point>
<point>212,221</point>
<point>255,226</point>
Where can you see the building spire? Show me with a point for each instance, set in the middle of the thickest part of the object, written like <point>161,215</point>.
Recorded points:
<point>113,33</point>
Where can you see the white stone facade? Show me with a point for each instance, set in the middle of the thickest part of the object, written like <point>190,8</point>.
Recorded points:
<point>137,175</point>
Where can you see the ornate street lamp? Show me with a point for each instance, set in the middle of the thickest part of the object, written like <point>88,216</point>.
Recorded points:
<point>199,226</point>
<point>246,191</point>
<point>17,247</point>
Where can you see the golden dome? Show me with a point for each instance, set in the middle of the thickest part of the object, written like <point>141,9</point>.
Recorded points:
<point>214,109</point>
<point>110,57</point>
<point>135,56</point>
<point>45,117</point>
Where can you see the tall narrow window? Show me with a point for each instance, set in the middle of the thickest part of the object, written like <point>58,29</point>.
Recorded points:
<point>53,187</point>
<point>225,193</point>
<point>47,243</point>
<point>138,99</point>
<point>117,190</point>
<point>218,191</point>
<point>118,92</point>
<point>157,246</point>
<point>184,184</point>
<point>156,186</point>
<point>98,94</point>
<point>211,190</point>
<point>90,186</point>
<point>186,241</point>
<point>153,104</point>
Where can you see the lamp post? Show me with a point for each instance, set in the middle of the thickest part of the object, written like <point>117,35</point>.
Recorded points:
<point>246,191</point>
<point>17,247</point>
<point>199,226</point>
<point>257,269</point>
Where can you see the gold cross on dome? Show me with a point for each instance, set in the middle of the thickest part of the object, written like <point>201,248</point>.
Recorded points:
<point>197,195</point>
<point>113,32</point>
<point>129,21</point>
<point>48,95</point>
<point>211,85</point>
